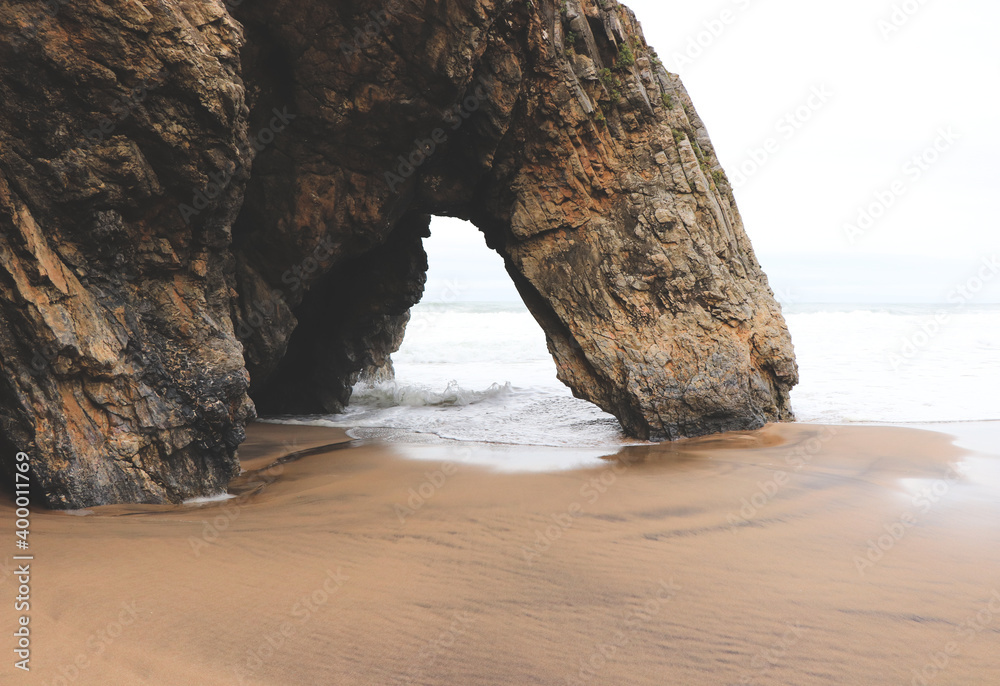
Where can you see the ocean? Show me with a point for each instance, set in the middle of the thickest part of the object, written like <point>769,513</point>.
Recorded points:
<point>480,372</point>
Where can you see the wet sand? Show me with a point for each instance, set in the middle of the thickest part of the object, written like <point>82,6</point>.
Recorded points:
<point>794,555</point>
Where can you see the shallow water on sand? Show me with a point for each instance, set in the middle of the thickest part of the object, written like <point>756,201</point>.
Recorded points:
<point>794,555</point>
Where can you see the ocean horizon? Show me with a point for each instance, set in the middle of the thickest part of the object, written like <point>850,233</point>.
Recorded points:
<point>481,372</point>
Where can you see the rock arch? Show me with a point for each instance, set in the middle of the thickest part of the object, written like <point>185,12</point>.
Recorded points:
<point>588,171</point>
<point>271,189</point>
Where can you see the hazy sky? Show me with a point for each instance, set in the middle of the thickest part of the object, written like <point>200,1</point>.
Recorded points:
<point>890,81</point>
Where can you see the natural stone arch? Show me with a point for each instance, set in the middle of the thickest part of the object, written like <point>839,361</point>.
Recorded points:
<point>618,228</point>
<point>242,194</point>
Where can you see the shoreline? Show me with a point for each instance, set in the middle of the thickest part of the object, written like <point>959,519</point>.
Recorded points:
<point>804,554</point>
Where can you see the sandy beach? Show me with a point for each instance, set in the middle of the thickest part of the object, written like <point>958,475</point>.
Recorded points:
<point>799,554</point>
<point>479,343</point>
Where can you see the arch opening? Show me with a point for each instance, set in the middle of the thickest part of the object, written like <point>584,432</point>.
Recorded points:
<point>473,363</point>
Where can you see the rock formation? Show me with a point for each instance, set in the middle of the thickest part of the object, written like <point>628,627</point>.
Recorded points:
<point>202,203</point>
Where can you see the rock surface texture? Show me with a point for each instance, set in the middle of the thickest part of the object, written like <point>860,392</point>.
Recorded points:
<point>202,203</point>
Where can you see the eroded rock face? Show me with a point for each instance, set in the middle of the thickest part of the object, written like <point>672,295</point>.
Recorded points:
<point>555,130</point>
<point>256,198</point>
<point>120,373</point>
<point>625,241</point>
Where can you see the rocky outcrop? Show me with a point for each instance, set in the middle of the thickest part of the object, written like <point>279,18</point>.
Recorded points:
<point>121,374</point>
<point>190,190</point>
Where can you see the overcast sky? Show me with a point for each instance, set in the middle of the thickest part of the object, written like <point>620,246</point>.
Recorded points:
<point>868,87</point>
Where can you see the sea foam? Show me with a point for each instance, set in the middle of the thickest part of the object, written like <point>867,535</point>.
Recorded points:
<point>482,372</point>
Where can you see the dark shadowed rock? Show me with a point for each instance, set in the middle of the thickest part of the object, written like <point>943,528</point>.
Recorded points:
<point>256,199</point>
<point>119,369</point>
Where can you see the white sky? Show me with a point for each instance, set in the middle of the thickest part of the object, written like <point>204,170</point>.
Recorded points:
<point>890,98</point>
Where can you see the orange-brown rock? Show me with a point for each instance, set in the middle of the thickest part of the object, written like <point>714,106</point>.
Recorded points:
<point>190,190</point>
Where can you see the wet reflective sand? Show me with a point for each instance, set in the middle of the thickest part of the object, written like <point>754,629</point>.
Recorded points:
<point>795,555</point>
